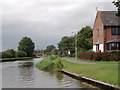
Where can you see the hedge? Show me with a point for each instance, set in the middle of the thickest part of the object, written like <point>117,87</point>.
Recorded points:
<point>99,56</point>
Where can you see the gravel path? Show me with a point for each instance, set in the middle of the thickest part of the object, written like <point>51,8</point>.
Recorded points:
<point>82,62</point>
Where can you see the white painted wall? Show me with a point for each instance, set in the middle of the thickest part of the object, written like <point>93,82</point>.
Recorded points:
<point>101,47</point>
<point>94,48</point>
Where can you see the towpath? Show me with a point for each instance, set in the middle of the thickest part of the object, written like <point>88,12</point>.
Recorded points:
<point>82,62</point>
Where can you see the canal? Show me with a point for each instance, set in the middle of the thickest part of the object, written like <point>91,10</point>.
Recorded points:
<point>24,74</point>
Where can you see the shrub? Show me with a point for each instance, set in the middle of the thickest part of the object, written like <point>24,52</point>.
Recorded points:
<point>86,55</point>
<point>99,56</point>
<point>21,54</point>
<point>10,53</point>
<point>59,64</point>
<point>47,64</point>
<point>52,57</point>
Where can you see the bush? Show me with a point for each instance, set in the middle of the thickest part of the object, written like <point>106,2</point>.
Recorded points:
<point>47,64</point>
<point>86,55</point>
<point>99,56</point>
<point>21,54</point>
<point>52,57</point>
<point>59,64</point>
<point>10,53</point>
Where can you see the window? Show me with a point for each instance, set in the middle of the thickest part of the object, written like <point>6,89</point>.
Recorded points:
<point>113,46</point>
<point>98,33</point>
<point>115,30</point>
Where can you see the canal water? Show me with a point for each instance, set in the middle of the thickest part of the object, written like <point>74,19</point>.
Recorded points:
<point>24,74</point>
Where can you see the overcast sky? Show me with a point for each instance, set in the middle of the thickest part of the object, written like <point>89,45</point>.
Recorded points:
<point>46,21</point>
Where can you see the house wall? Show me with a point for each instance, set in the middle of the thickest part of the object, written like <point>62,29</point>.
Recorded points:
<point>109,36</point>
<point>94,48</point>
<point>98,25</point>
<point>101,47</point>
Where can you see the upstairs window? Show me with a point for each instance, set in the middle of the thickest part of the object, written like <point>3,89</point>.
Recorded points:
<point>115,30</point>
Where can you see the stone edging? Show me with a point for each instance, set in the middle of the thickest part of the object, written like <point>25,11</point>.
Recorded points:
<point>97,83</point>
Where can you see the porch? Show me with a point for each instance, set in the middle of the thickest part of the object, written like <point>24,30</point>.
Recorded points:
<point>113,45</point>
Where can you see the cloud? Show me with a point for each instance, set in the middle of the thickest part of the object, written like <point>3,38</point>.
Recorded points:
<point>46,22</point>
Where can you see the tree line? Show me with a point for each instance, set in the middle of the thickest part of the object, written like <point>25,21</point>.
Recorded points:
<point>67,44</point>
<point>25,49</point>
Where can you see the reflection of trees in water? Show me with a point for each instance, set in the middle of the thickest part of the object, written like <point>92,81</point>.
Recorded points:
<point>58,75</point>
<point>26,71</point>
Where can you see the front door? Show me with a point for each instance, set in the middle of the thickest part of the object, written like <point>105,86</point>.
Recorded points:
<point>97,47</point>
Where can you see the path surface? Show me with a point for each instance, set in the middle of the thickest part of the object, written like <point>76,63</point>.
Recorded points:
<point>82,62</point>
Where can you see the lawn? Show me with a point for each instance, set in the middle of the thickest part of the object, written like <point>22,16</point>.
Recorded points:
<point>105,73</point>
<point>105,62</point>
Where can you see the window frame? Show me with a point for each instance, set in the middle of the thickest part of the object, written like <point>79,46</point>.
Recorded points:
<point>115,30</point>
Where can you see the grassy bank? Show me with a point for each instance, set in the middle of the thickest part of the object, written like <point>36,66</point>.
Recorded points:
<point>50,63</point>
<point>16,58</point>
<point>105,62</point>
<point>105,73</point>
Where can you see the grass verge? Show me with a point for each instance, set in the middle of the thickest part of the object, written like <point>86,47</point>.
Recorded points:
<point>105,73</point>
<point>103,62</point>
<point>14,59</point>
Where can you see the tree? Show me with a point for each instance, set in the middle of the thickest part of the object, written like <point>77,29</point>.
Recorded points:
<point>55,51</point>
<point>117,4</point>
<point>26,45</point>
<point>49,49</point>
<point>66,44</point>
<point>10,53</point>
<point>21,54</point>
<point>85,38</point>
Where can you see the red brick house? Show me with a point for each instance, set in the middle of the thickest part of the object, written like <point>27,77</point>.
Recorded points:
<point>106,31</point>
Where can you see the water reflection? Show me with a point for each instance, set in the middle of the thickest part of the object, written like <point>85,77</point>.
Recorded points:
<point>26,71</point>
<point>24,74</point>
<point>59,75</point>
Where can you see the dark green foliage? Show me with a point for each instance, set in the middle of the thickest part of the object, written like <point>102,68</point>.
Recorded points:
<point>117,4</point>
<point>84,42</point>
<point>66,44</point>
<point>21,54</point>
<point>85,38</point>
<point>26,45</point>
<point>49,49</point>
<point>10,53</point>
<point>55,51</point>
<point>16,58</point>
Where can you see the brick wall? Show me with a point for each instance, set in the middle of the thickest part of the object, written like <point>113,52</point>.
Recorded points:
<point>98,25</point>
<point>109,36</point>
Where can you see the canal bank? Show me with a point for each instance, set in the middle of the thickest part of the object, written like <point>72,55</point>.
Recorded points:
<point>24,74</point>
<point>97,83</point>
<point>103,76</point>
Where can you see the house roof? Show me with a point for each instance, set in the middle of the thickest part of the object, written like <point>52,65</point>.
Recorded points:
<point>109,18</point>
<point>114,40</point>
